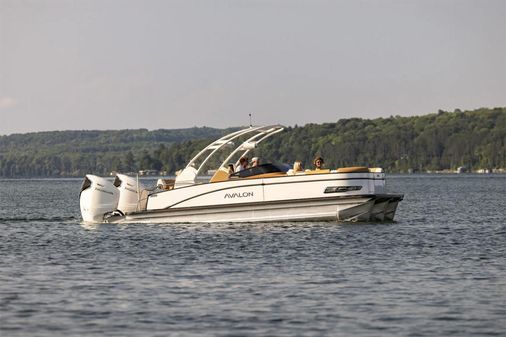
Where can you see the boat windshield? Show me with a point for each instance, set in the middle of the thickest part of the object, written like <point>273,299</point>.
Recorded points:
<point>260,169</point>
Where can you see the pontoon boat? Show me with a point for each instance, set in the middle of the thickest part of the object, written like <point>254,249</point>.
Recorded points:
<point>267,192</point>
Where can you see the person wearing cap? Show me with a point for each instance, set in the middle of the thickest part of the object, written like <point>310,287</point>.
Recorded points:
<point>318,163</point>
<point>255,161</point>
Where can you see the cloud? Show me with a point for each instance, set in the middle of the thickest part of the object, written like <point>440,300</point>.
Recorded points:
<point>7,102</point>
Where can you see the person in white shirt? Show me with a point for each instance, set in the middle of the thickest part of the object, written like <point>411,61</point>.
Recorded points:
<point>243,164</point>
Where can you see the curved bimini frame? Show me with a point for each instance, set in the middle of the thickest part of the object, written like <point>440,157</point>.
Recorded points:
<point>190,173</point>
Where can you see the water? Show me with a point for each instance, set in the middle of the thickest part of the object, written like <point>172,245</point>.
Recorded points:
<point>439,270</point>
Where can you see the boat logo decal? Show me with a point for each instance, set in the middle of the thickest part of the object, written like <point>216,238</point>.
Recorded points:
<point>338,189</point>
<point>238,195</point>
<point>104,191</point>
<point>130,190</point>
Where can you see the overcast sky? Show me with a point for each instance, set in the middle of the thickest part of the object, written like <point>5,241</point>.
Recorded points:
<point>115,64</point>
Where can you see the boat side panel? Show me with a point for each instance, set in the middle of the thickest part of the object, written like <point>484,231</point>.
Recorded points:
<point>315,188</point>
<point>302,210</point>
<point>207,194</point>
<point>341,208</point>
<point>230,196</point>
<point>258,190</point>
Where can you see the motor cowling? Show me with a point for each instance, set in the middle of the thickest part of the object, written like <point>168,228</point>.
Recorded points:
<point>98,197</point>
<point>129,189</point>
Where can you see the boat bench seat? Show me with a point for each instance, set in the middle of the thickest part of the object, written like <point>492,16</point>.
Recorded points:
<point>267,175</point>
<point>166,184</point>
<point>353,169</point>
<point>219,175</point>
<point>322,171</point>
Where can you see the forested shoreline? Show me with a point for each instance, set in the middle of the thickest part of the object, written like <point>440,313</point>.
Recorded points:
<point>440,141</point>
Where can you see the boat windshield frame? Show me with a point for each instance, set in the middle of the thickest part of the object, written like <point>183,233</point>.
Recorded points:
<point>261,133</point>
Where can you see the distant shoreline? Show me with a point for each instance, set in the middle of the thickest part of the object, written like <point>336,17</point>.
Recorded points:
<point>441,143</point>
<point>432,174</point>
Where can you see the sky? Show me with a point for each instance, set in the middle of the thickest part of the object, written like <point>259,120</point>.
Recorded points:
<point>128,64</point>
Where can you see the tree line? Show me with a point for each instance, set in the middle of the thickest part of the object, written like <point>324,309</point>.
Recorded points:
<point>443,140</point>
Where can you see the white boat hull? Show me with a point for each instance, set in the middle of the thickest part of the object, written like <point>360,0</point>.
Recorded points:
<point>342,209</point>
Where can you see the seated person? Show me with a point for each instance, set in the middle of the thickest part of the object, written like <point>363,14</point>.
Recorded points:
<point>231,169</point>
<point>297,167</point>
<point>255,161</point>
<point>318,163</point>
<point>243,164</point>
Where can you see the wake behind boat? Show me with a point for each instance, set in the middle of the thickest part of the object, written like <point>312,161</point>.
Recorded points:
<point>267,192</point>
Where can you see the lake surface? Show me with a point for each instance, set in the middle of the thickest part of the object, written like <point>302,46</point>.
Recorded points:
<point>439,270</point>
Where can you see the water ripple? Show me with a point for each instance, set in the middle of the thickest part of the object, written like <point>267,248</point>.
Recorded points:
<point>439,270</point>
